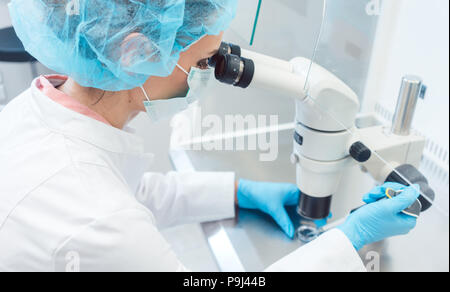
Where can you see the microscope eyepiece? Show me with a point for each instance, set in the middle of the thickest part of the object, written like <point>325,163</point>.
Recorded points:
<point>234,70</point>
<point>230,49</point>
<point>225,49</point>
<point>233,49</point>
<point>231,68</point>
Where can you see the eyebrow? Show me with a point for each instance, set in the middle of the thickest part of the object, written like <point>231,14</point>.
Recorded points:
<point>213,52</point>
<point>210,54</point>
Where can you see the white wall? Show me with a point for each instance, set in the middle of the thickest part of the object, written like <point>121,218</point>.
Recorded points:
<point>413,38</point>
<point>418,44</point>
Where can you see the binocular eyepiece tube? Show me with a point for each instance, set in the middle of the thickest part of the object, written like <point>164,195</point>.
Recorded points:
<point>231,68</point>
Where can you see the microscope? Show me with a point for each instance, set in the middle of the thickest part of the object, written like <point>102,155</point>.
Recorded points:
<point>329,134</point>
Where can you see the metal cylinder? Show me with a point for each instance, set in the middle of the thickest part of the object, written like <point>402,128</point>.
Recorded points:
<point>410,91</point>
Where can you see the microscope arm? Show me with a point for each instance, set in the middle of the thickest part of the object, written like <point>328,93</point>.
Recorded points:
<point>313,88</point>
<point>276,75</point>
<point>397,152</point>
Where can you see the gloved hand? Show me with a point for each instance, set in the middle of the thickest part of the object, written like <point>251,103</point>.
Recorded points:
<point>381,219</point>
<point>270,198</point>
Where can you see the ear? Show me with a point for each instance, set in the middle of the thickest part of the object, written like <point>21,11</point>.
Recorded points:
<point>134,49</point>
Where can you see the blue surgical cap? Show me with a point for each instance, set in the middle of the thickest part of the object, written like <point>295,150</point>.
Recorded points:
<point>116,44</point>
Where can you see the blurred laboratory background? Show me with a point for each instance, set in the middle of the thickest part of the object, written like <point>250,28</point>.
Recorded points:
<point>370,45</point>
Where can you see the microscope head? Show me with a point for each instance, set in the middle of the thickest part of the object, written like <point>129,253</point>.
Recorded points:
<point>331,105</point>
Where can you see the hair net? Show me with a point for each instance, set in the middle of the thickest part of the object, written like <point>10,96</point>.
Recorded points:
<point>116,44</point>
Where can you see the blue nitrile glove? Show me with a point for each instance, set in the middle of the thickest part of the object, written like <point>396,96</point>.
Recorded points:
<point>322,222</point>
<point>381,219</point>
<point>270,198</point>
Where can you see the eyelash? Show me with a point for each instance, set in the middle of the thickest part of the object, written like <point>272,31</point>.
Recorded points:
<point>203,64</point>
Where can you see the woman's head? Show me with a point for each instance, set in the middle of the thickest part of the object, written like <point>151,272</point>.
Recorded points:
<point>118,45</point>
<point>176,84</point>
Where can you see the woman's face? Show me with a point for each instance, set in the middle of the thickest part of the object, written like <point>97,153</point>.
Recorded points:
<point>176,84</point>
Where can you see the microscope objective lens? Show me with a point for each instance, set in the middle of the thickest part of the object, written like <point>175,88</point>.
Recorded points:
<point>307,233</point>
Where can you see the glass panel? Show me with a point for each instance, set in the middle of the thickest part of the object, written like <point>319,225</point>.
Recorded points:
<point>284,29</point>
<point>344,47</point>
<point>345,43</point>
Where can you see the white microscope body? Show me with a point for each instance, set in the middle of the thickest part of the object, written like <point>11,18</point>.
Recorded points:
<point>326,139</point>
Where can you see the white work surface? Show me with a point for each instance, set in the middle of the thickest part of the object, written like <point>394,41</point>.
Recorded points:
<point>253,241</point>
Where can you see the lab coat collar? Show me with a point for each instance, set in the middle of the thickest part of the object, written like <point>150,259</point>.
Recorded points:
<point>73,124</point>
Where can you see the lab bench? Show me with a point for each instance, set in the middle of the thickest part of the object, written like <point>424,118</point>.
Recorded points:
<point>252,241</point>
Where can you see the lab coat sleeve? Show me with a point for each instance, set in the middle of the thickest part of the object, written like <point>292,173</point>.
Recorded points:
<point>190,197</point>
<point>126,241</point>
<point>331,252</point>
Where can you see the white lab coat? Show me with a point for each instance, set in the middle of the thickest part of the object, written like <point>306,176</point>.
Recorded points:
<point>75,195</point>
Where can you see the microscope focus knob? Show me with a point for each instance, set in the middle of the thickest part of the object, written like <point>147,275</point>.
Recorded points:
<point>360,152</point>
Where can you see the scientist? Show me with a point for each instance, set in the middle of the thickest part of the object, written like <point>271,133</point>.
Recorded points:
<point>75,191</point>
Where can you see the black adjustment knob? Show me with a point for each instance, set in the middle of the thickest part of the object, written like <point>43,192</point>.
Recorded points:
<point>360,152</point>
